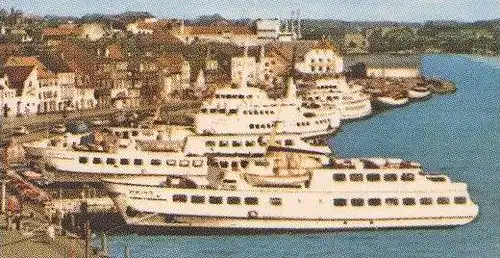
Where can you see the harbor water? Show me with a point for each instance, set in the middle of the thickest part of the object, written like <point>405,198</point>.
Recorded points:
<point>456,134</point>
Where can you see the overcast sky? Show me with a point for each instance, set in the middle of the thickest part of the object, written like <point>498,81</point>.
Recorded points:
<point>350,10</point>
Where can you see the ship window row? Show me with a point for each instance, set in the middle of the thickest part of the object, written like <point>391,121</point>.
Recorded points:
<point>231,200</point>
<point>323,121</point>
<point>140,162</point>
<point>126,134</point>
<point>332,98</point>
<point>303,123</point>
<point>220,111</point>
<point>234,164</point>
<point>373,177</point>
<point>256,112</point>
<point>259,126</point>
<point>223,143</point>
<point>328,87</point>
<point>232,96</point>
<point>408,201</point>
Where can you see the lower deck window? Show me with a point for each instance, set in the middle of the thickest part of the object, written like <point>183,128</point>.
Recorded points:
<point>373,177</point>
<point>155,162</point>
<point>425,201</point>
<point>215,199</point>
<point>197,199</point>
<point>110,161</point>
<point>460,200</point>
<point>357,202</point>
<point>97,161</point>
<point>408,201</point>
<point>275,201</point>
<point>124,162</point>
<point>374,202</point>
<point>358,177</point>
<point>338,177</point>
<point>83,160</point>
<point>392,201</point>
<point>251,200</point>
<point>339,202</point>
<point>443,200</point>
<point>179,198</point>
<point>138,162</point>
<point>407,177</point>
<point>233,200</point>
<point>390,177</point>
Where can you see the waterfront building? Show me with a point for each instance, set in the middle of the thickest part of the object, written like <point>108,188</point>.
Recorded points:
<point>19,91</point>
<point>387,66</point>
<point>322,58</point>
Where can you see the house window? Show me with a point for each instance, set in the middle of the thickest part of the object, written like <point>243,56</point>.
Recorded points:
<point>215,199</point>
<point>179,198</point>
<point>443,200</point>
<point>275,201</point>
<point>357,202</point>
<point>339,202</point>
<point>198,199</point>
<point>83,160</point>
<point>425,201</point>
<point>374,202</point>
<point>408,201</point>
<point>233,200</point>
<point>392,201</point>
<point>251,200</point>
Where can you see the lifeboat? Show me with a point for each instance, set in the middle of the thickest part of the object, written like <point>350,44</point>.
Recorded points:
<point>418,92</point>
<point>277,180</point>
<point>392,101</point>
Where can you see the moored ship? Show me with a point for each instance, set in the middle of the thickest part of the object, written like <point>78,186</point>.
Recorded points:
<point>268,196</point>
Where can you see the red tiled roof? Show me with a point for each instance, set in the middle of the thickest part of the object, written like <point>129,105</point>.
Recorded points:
<point>17,76</point>
<point>30,61</point>
<point>61,31</point>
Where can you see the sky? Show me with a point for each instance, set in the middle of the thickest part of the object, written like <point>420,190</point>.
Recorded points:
<point>349,10</point>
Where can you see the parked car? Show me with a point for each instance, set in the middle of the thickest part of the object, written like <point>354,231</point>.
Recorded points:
<point>21,130</point>
<point>60,128</point>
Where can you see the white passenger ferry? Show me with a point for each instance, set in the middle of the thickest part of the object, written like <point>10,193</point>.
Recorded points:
<point>333,89</point>
<point>135,151</point>
<point>249,110</point>
<point>268,197</point>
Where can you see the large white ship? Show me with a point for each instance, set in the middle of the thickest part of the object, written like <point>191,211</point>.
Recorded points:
<point>279,194</point>
<point>249,110</point>
<point>161,152</point>
<point>333,89</point>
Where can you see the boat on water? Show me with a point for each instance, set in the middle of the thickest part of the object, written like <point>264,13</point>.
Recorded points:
<point>264,196</point>
<point>392,101</point>
<point>249,110</point>
<point>419,92</point>
<point>334,89</point>
<point>118,152</point>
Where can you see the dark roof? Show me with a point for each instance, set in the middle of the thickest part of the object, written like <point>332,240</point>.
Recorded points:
<point>384,61</point>
<point>55,63</point>
<point>17,76</point>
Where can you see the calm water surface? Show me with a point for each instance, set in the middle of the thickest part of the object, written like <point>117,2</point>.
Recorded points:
<point>458,134</point>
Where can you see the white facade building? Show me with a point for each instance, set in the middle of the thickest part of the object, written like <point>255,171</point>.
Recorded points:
<point>320,59</point>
